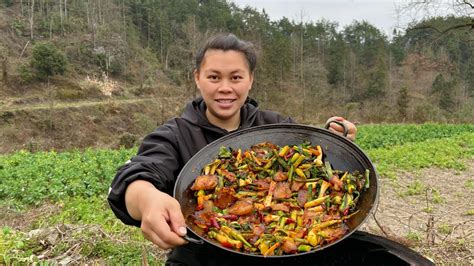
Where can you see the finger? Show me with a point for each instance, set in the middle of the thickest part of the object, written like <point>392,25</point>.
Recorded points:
<point>165,233</point>
<point>149,234</point>
<point>337,127</point>
<point>351,130</point>
<point>336,131</point>
<point>159,232</point>
<point>178,224</point>
<point>351,136</point>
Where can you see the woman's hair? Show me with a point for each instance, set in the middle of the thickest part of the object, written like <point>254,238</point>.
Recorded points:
<point>226,42</point>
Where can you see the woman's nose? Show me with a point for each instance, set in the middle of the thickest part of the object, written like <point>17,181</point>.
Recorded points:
<point>225,86</point>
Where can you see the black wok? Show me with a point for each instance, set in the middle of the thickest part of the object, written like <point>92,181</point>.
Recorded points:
<point>340,152</point>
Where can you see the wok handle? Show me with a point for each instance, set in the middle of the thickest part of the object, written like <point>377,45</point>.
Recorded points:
<point>193,240</point>
<point>339,123</point>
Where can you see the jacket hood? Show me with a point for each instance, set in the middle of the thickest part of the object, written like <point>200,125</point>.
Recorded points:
<point>195,113</point>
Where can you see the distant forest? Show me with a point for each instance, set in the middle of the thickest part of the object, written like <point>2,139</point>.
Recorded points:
<point>307,69</point>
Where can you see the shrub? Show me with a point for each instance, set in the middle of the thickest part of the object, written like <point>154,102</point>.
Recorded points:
<point>26,76</point>
<point>47,60</point>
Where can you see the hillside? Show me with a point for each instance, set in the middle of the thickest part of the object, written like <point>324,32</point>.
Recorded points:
<point>128,68</point>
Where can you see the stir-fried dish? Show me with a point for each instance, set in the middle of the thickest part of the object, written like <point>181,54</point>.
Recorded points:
<point>272,200</point>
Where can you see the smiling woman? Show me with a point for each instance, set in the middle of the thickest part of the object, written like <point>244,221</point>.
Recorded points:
<point>140,194</point>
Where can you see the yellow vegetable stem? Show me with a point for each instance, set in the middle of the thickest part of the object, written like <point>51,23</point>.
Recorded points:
<point>235,235</point>
<point>283,151</point>
<point>324,187</point>
<point>263,248</point>
<point>207,169</point>
<point>268,199</point>
<point>295,157</point>
<point>222,238</point>
<point>320,156</point>
<point>317,209</point>
<point>313,239</point>
<point>239,156</point>
<point>271,249</point>
<point>214,166</point>
<point>325,224</point>
<point>300,173</point>
<point>213,169</point>
<point>269,163</point>
<point>299,160</point>
<point>315,202</point>
<point>256,160</point>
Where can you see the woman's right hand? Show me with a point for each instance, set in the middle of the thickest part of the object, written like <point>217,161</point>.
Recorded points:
<point>160,214</point>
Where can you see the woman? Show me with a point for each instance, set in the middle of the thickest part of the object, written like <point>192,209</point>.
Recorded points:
<point>141,192</point>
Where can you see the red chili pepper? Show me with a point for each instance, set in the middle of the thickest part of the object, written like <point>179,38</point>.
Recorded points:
<point>305,232</point>
<point>231,217</point>
<point>227,245</point>
<point>214,223</point>
<point>346,212</point>
<point>290,221</point>
<point>289,154</point>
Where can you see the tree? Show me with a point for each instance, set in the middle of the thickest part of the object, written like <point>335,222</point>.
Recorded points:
<point>32,17</point>
<point>335,61</point>
<point>446,100</point>
<point>439,84</point>
<point>47,60</point>
<point>433,8</point>
<point>443,90</point>
<point>402,102</point>
<point>4,62</point>
<point>8,3</point>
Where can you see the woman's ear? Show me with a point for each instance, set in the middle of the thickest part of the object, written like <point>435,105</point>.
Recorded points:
<point>251,80</point>
<point>196,78</point>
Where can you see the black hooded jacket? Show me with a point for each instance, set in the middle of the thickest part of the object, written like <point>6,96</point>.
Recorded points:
<point>166,150</point>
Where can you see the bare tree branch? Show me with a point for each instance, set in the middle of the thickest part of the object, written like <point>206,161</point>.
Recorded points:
<point>441,32</point>
<point>467,2</point>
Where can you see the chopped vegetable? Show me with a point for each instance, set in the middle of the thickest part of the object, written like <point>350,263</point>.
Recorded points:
<point>272,200</point>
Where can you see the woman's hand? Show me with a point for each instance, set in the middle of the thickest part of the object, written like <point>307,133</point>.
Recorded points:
<point>351,128</point>
<point>161,219</point>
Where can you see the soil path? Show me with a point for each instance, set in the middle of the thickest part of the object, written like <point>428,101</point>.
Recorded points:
<point>431,211</point>
<point>60,105</point>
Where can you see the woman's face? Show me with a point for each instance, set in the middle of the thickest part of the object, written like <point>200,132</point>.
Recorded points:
<point>224,80</point>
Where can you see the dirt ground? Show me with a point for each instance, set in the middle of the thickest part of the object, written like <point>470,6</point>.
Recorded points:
<point>430,211</point>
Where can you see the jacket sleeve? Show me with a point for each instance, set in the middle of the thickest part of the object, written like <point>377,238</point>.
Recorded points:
<point>157,162</point>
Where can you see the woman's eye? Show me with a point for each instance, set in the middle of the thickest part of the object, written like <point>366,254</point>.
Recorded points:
<point>213,77</point>
<point>237,77</point>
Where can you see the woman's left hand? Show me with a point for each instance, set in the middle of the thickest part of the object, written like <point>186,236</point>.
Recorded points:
<point>335,128</point>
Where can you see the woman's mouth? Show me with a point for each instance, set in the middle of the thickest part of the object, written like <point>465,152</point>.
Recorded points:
<point>225,103</point>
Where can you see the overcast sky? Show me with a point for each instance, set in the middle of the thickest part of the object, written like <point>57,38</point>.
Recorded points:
<point>380,13</point>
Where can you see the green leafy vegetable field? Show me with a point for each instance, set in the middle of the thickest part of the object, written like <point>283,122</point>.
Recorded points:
<point>63,195</point>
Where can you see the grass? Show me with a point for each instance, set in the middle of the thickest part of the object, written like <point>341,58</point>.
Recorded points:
<point>76,184</point>
<point>388,136</point>
<point>469,184</point>
<point>414,236</point>
<point>442,153</point>
<point>445,229</point>
<point>436,196</point>
<point>415,188</point>
<point>30,178</point>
